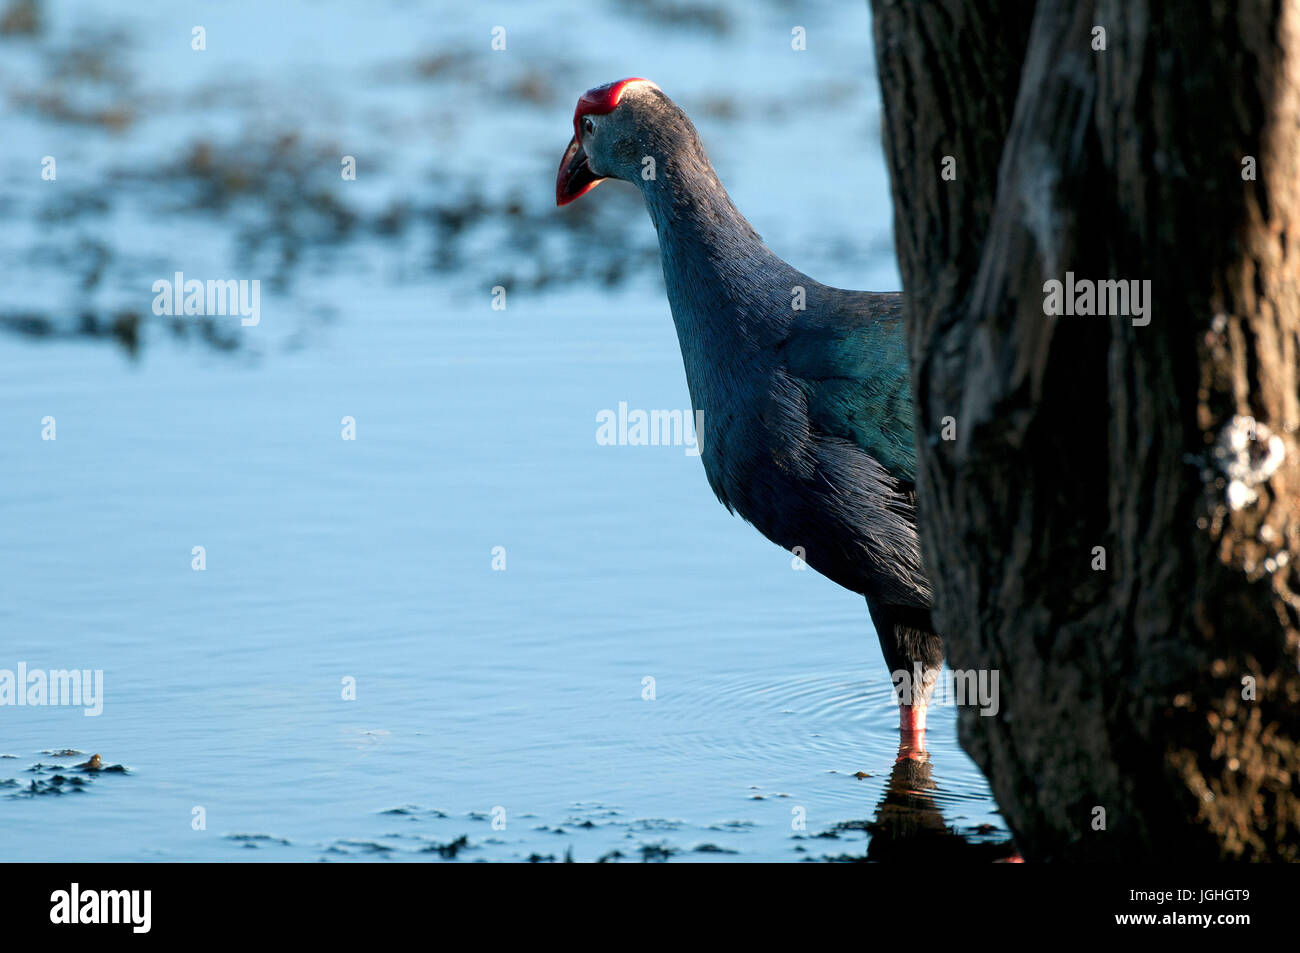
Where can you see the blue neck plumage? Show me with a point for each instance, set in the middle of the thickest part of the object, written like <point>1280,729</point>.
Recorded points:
<point>723,282</point>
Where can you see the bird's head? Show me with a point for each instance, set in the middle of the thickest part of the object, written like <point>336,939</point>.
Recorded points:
<point>609,140</point>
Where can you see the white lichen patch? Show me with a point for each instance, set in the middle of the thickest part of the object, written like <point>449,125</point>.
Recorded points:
<point>1274,563</point>
<point>1247,453</point>
<point>1240,496</point>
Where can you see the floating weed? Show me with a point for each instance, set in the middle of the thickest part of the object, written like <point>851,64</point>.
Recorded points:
<point>414,812</point>
<point>449,850</point>
<point>656,853</point>
<point>366,846</point>
<point>258,840</point>
<point>60,779</point>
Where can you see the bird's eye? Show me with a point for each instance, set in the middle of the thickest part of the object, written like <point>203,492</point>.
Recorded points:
<point>588,126</point>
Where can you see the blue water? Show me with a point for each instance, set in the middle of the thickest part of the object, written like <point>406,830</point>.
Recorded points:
<point>507,706</point>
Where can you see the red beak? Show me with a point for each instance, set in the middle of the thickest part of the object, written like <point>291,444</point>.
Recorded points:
<point>575,177</point>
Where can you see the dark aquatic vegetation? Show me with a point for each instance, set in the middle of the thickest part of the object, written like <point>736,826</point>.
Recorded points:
<point>450,849</point>
<point>57,780</point>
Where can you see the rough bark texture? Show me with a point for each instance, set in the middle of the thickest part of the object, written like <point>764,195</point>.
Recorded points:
<point>1121,689</point>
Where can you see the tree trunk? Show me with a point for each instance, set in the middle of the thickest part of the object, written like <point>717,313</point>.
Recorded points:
<point>1150,708</point>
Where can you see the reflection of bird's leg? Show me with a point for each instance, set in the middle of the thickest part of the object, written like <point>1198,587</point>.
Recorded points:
<point>909,826</point>
<point>908,821</point>
<point>911,779</point>
<point>911,743</point>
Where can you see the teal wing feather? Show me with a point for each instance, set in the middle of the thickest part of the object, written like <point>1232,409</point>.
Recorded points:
<point>855,375</point>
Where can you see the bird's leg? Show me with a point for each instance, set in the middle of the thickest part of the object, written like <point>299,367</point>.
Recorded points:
<point>912,718</point>
<point>914,654</point>
<point>914,703</point>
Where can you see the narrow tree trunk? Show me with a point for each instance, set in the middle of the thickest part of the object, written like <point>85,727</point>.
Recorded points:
<point>1125,728</point>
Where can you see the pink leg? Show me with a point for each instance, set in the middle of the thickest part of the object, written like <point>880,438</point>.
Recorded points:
<point>911,733</point>
<point>911,717</point>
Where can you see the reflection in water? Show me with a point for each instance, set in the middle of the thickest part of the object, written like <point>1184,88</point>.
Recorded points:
<point>909,826</point>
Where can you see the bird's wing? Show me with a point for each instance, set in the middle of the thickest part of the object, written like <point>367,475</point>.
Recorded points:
<point>853,365</point>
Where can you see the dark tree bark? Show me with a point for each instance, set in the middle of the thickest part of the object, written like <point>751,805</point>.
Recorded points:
<point>1174,445</point>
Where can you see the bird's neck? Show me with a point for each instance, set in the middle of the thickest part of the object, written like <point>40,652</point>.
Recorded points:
<point>690,207</point>
<point>730,298</point>
<point>724,284</point>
